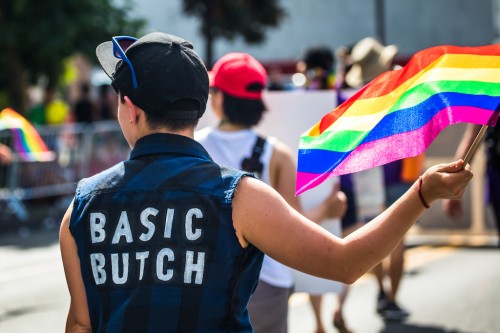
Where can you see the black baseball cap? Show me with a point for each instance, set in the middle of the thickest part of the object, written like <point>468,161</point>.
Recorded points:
<point>171,79</point>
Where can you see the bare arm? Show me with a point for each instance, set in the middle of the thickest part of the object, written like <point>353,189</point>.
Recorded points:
<point>282,174</point>
<point>78,315</point>
<point>454,207</point>
<point>5,154</point>
<point>262,217</point>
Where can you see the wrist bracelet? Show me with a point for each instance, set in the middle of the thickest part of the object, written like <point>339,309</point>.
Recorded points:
<point>426,205</point>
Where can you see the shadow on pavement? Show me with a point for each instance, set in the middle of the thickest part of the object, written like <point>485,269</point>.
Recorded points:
<point>410,328</point>
<point>12,313</point>
<point>28,238</point>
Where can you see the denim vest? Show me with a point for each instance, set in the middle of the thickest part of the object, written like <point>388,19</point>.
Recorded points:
<point>157,247</point>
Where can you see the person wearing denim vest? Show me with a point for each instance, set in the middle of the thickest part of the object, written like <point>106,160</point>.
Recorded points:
<point>154,234</point>
<point>163,240</point>
<point>169,241</point>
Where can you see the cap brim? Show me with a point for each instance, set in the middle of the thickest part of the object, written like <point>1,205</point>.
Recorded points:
<point>105,56</point>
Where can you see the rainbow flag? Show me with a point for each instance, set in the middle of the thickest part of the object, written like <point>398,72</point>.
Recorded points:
<point>400,113</point>
<point>27,143</point>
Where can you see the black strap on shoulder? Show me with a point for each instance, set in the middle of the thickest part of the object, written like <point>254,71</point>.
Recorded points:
<point>253,163</point>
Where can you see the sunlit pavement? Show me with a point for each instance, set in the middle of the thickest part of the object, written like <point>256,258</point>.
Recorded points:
<point>446,289</point>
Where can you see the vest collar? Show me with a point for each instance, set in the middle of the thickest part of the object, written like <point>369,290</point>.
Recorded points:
<point>161,143</point>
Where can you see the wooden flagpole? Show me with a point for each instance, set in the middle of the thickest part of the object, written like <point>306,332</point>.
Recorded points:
<point>474,145</point>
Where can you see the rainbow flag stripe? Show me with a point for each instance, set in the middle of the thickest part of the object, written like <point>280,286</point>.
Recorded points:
<point>401,112</point>
<point>27,143</point>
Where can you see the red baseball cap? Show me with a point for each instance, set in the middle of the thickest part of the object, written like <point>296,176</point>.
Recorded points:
<point>239,75</point>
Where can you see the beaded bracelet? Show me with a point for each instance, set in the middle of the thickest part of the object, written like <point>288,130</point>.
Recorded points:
<point>426,205</point>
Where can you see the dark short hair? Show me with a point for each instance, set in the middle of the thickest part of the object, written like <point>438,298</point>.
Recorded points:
<point>319,56</point>
<point>242,111</point>
<point>163,120</point>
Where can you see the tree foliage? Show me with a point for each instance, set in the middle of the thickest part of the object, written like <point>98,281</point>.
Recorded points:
<point>231,18</point>
<point>37,36</point>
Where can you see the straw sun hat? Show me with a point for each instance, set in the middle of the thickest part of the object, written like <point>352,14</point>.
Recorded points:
<point>369,58</point>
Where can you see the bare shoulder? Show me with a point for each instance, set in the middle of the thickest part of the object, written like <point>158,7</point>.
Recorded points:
<point>252,192</point>
<point>283,151</point>
<point>282,173</point>
<point>255,203</point>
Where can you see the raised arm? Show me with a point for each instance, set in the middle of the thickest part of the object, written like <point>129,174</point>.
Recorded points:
<point>262,217</point>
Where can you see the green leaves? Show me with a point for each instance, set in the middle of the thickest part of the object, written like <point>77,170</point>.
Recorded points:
<point>232,18</point>
<point>42,34</point>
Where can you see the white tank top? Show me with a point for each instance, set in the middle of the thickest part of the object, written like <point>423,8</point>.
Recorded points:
<point>231,148</point>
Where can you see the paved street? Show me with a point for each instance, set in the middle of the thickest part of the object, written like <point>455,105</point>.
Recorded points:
<point>446,289</point>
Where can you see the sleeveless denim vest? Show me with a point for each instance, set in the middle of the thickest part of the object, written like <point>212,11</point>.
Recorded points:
<point>157,247</point>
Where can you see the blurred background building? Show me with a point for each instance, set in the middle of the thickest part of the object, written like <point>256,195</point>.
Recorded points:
<point>411,24</point>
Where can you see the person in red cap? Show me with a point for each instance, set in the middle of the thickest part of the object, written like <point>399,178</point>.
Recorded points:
<point>237,82</point>
<point>169,240</point>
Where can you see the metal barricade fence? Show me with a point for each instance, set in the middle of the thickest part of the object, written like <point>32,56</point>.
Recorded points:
<point>81,150</point>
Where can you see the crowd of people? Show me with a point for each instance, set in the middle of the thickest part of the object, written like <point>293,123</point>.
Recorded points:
<point>198,230</point>
<point>232,229</point>
<point>91,104</point>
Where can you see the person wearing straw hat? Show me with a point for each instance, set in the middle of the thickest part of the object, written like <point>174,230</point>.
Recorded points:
<point>169,240</point>
<point>370,58</point>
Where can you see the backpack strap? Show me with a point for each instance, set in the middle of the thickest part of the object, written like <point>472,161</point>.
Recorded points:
<point>253,163</point>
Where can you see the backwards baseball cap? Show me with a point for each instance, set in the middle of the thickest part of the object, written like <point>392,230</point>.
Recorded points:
<point>239,75</point>
<point>159,72</point>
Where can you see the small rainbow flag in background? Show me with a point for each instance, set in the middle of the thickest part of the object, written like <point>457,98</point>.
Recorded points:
<point>27,143</point>
<point>401,112</point>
